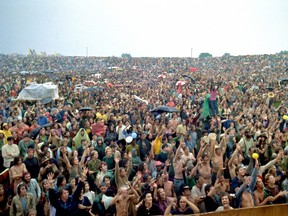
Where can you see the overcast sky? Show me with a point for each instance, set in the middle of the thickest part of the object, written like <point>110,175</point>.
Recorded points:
<point>159,28</point>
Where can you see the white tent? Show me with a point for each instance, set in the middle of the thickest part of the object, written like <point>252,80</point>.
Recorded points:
<point>39,92</point>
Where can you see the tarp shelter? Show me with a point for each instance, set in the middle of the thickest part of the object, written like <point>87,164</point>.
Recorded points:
<point>39,92</point>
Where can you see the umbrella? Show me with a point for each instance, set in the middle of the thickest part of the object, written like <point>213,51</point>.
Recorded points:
<point>192,79</point>
<point>270,88</point>
<point>161,109</point>
<point>86,109</point>
<point>181,82</point>
<point>34,133</point>
<point>284,81</point>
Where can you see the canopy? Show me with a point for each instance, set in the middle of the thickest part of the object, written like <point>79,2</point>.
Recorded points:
<point>39,92</point>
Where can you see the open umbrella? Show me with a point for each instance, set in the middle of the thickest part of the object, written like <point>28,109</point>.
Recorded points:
<point>34,133</point>
<point>269,88</point>
<point>86,109</point>
<point>191,78</point>
<point>180,83</point>
<point>284,81</point>
<point>161,109</point>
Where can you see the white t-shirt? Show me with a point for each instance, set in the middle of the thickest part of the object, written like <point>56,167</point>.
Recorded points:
<point>120,133</point>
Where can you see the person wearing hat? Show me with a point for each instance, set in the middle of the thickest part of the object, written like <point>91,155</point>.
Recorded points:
<point>6,130</point>
<point>132,145</point>
<point>47,166</point>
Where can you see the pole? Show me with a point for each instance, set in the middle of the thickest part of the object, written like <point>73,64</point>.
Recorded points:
<point>86,51</point>
<point>191,52</point>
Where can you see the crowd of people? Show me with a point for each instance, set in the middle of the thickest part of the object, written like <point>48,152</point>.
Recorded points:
<point>137,141</point>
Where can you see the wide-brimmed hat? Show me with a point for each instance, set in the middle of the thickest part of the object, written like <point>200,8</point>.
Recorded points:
<point>212,136</point>
<point>44,161</point>
<point>129,139</point>
<point>206,139</point>
<point>262,135</point>
<point>158,163</point>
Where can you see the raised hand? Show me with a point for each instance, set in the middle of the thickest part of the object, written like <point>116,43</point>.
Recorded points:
<point>50,176</point>
<point>130,154</point>
<point>116,159</point>
<point>167,163</point>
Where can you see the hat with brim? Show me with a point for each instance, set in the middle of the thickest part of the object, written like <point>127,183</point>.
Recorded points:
<point>129,139</point>
<point>206,139</point>
<point>46,160</point>
<point>217,147</point>
<point>262,135</point>
<point>212,136</point>
<point>158,163</point>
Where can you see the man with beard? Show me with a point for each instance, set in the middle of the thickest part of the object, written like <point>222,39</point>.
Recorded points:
<point>32,186</point>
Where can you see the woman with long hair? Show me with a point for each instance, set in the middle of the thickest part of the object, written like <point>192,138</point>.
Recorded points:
<point>89,193</point>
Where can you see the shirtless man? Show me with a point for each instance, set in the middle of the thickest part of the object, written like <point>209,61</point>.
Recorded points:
<point>244,195</point>
<point>122,201</point>
<point>234,161</point>
<point>217,157</point>
<point>204,168</point>
<point>259,194</point>
<point>168,186</point>
<point>178,168</point>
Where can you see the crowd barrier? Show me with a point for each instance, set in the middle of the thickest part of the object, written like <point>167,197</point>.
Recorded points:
<point>269,210</point>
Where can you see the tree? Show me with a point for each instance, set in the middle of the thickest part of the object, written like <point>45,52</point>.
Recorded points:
<point>205,55</point>
<point>226,55</point>
<point>126,55</point>
<point>284,52</point>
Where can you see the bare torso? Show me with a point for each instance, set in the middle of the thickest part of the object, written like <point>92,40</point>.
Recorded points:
<point>205,171</point>
<point>178,168</point>
<point>247,200</point>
